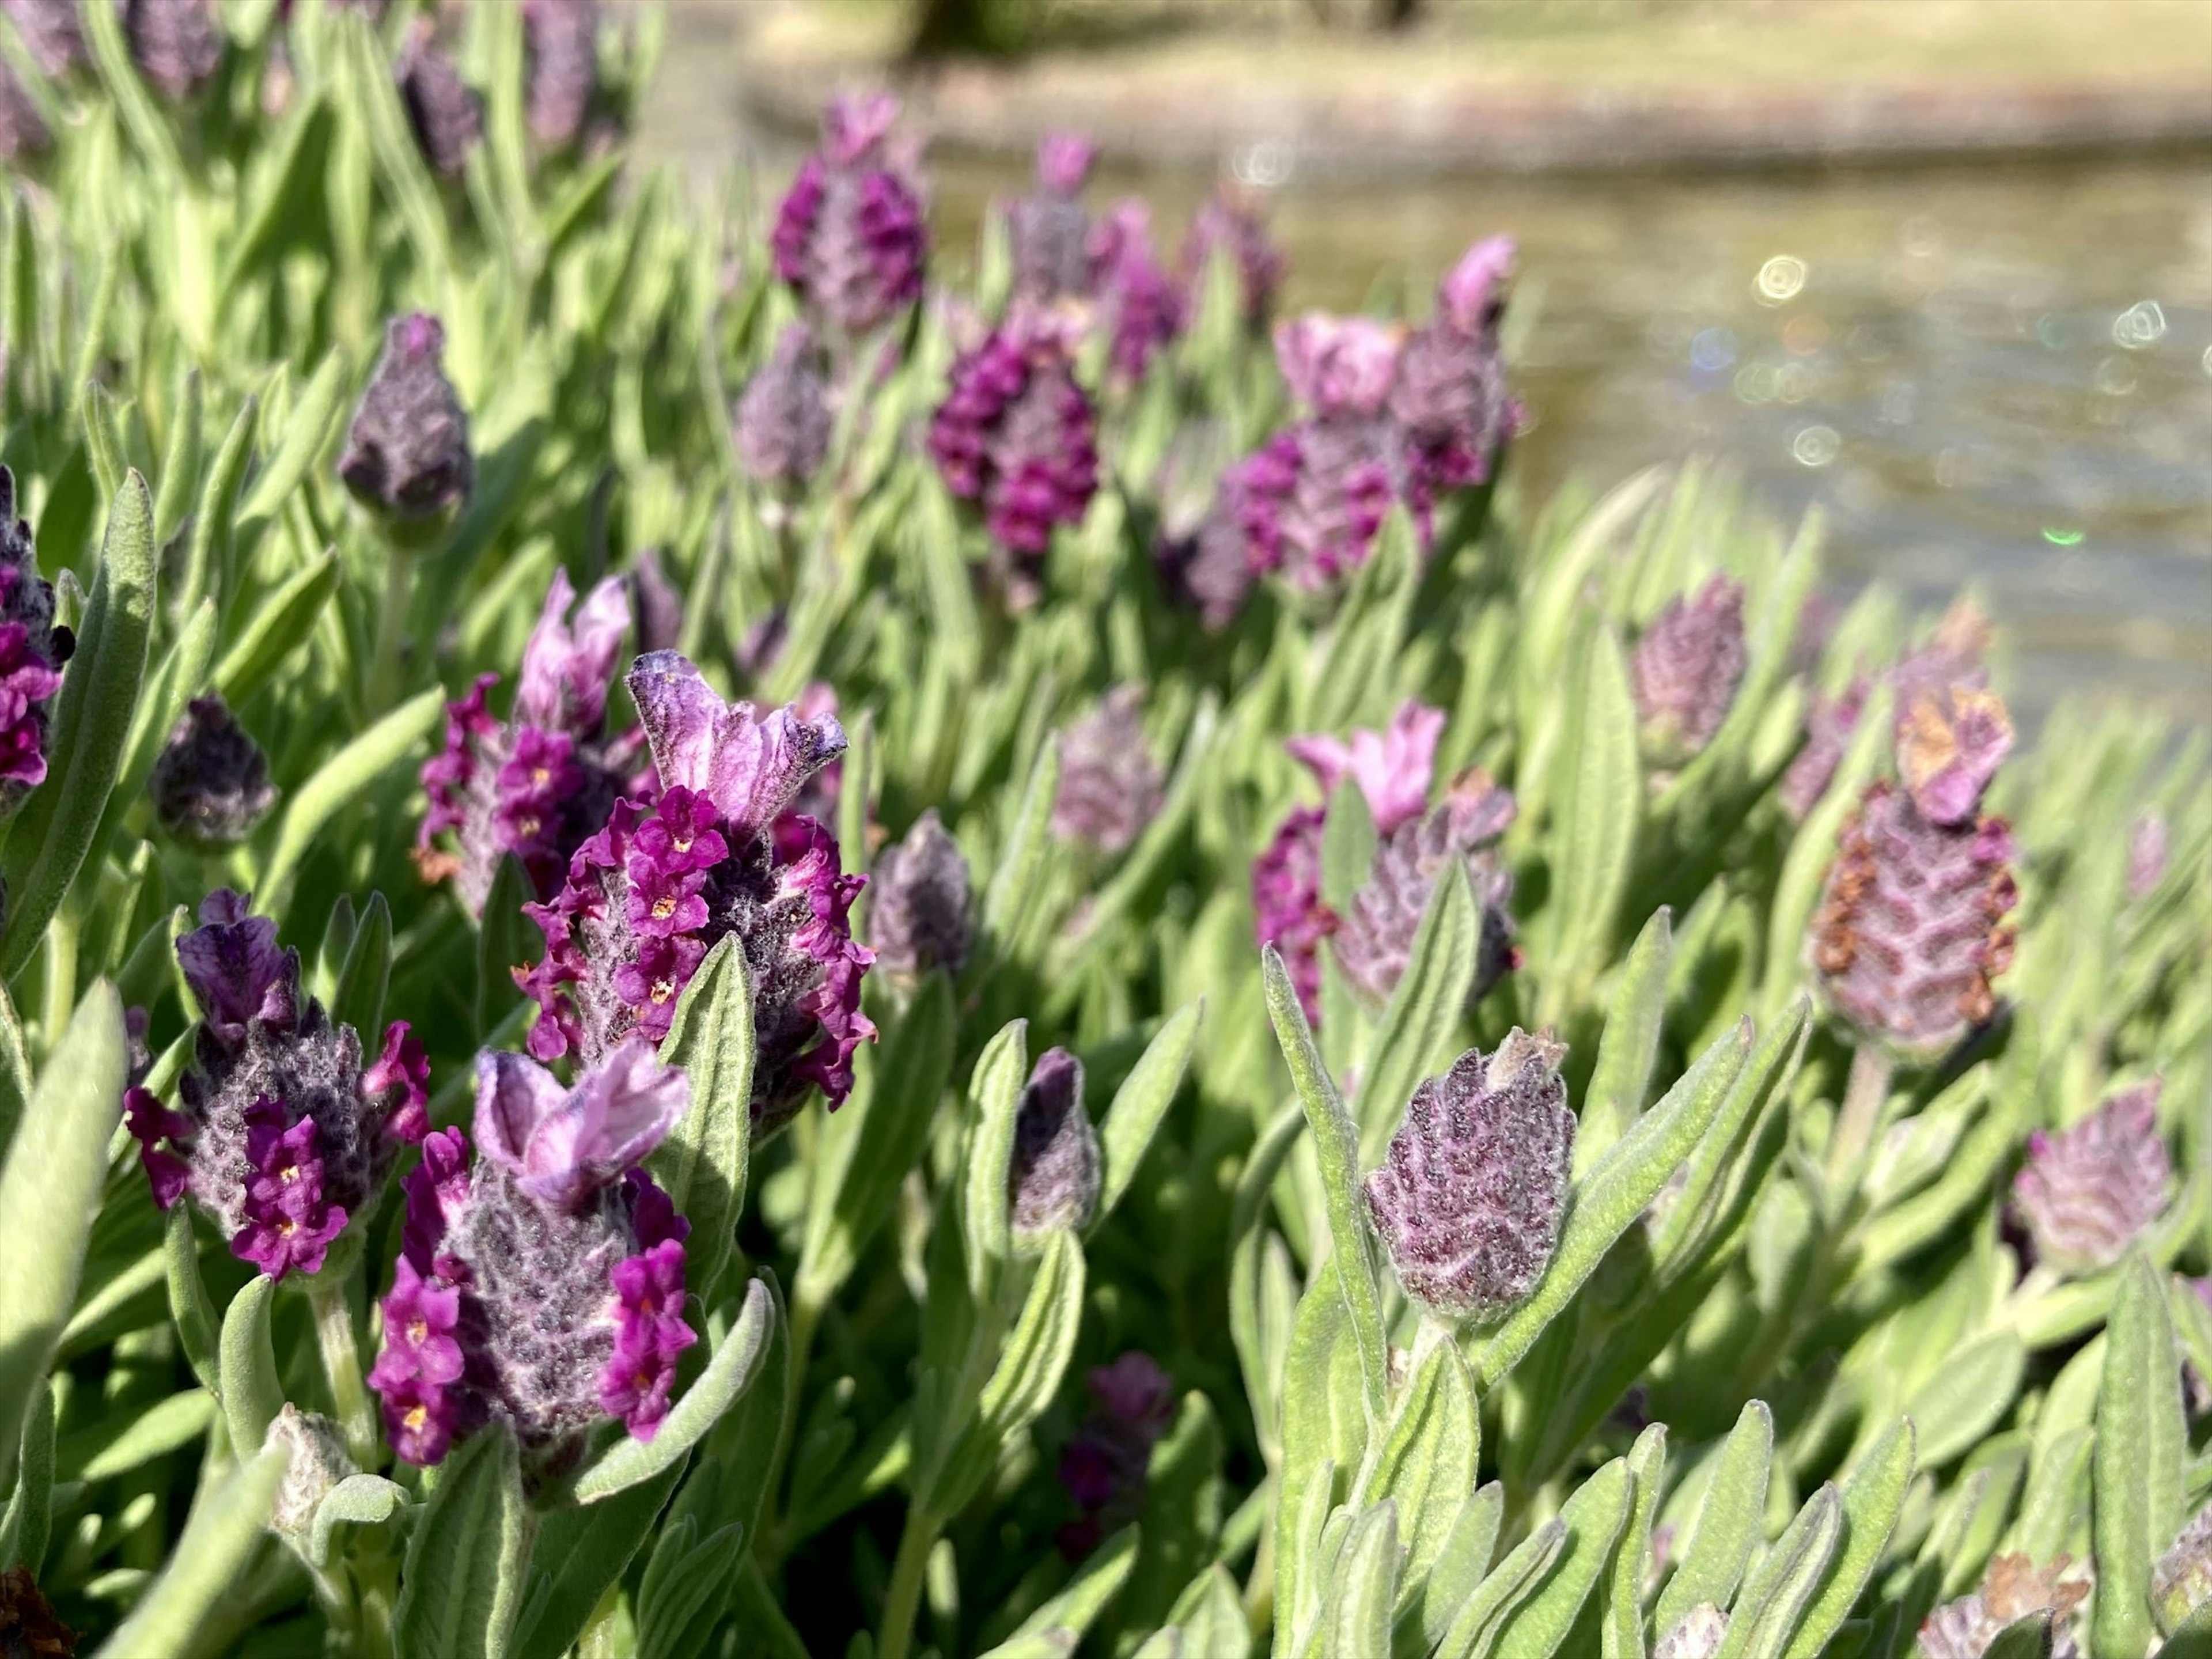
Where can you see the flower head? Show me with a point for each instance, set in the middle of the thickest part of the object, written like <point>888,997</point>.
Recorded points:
<point>918,917</point>
<point>1142,306</point>
<point>27,1623</point>
<point>659,884</point>
<point>407,453</point>
<point>53,31</point>
<point>444,112</point>
<point>1450,395</point>
<point>545,1282</point>
<point>1287,908</point>
<point>1686,668</point>
<point>1228,225</point>
<point>1053,1181</point>
<point>849,238</point>
<point>211,785</point>
<point>538,783</point>
<point>282,1135</point>
<point>176,44</point>
<point>1338,366</point>
<point>1469,1200</point>
<point>1109,784</point>
<point>32,652</point>
<point>1050,229</point>
<point>783,418</point>
<point>2013,1588</point>
<point>561,41</point>
<point>1104,1465</point>
<point>1829,723</point>
<point>1374,938</point>
<point>2090,1192</point>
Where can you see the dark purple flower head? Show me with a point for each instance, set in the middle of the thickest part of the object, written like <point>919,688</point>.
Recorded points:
<point>2181,1582</point>
<point>282,1134</point>
<point>918,917</point>
<point>561,41</point>
<point>1049,229</point>
<point>1109,784</point>
<point>1016,435</point>
<point>1469,1200</point>
<point>32,652</point>
<point>1829,724</point>
<point>407,453</point>
<point>23,131</point>
<point>176,44</point>
<point>211,785</point>
<point>1686,668</point>
<point>849,238</point>
<point>783,418</point>
<point>544,1284</point>
<point>1104,1465</point>
<point>2090,1192</point>
<point>1374,939</point>
<point>1228,223</point>
<point>53,31</point>
<point>660,884</point>
<point>1054,1178</point>
<point>446,114</point>
<point>536,784</point>
<point>1143,307</point>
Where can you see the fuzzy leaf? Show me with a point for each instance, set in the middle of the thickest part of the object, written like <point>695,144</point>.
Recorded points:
<point>1594,1518</point>
<point>1503,1591</point>
<point>208,1562</point>
<point>1075,1609</point>
<point>345,777</point>
<point>1623,1633</point>
<point>2141,1438</point>
<point>359,1500</point>
<point>996,1091</point>
<point>1781,1587</point>
<point>364,974</point>
<point>280,625</point>
<point>1425,1009</point>
<point>1630,1047</point>
<point>462,1584</point>
<point>1729,1521</point>
<point>251,1395</point>
<point>1126,1133</point>
<point>1872,1500</point>
<point>702,1164</point>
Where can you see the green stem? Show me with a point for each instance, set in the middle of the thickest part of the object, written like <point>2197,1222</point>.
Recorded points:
<point>61,970</point>
<point>758,1608</point>
<point>390,625</point>
<point>903,1599</point>
<point>1865,1092</point>
<point>805,1318</point>
<point>342,1364</point>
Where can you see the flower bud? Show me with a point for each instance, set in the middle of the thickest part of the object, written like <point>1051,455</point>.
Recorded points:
<point>1105,1464</point>
<point>211,785</point>
<point>1684,670</point>
<point>1697,1635</point>
<point>783,418</point>
<point>543,1284</point>
<point>1143,308</point>
<point>849,238</point>
<point>1450,394</point>
<point>446,114</point>
<point>2181,1582</point>
<point>1468,1201</point>
<point>1374,938</point>
<point>32,652</point>
<point>317,1463</point>
<point>1109,784</point>
<point>2011,1590</point>
<point>1228,223</point>
<point>1018,435</point>
<point>176,44</point>
<point>1912,928</point>
<point>1053,1180</point>
<point>1049,229</point>
<point>52,31</point>
<point>657,602</point>
<point>560,41</point>
<point>407,453</point>
<point>918,917</point>
<point>2091,1191</point>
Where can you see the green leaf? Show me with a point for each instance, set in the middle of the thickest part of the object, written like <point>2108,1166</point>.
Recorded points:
<point>251,1395</point>
<point>1630,1047</point>
<point>189,1307</point>
<point>1336,1144</point>
<point>702,1165</point>
<point>1423,1010</point>
<point>1348,840</point>
<point>180,464</point>
<point>345,775</point>
<point>357,994</point>
<point>142,117</point>
<point>1020,873</point>
<point>1872,1498</point>
<point>182,672</point>
<point>461,1587</point>
<point>280,624</point>
<point>1966,1397</point>
<point>735,1364</point>
<point>1208,1618</point>
<point>577,1554</point>
<point>1036,1353</point>
<point>996,1093</point>
<point>208,552</point>
<point>2141,1439</point>
<point>1142,1101</point>
<point>296,452</point>
<point>14,1073</point>
<point>104,1452</point>
<point>1623,1632</point>
<point>359,1500</point>
<point>1502,1592</point>
<point>1324,1429</point>
<point>686,1586</point>
<point>1616,1193</point>
<point>1424,1463</point>
<point>1731,1521</point>
<point>1781,1587</point>
<point>1600,802</point>
<point>372,98</point>
<point>1073,1612</point>
<point>207,1563</point>
<point>26,1519</point>
<point>1453,1578</point>
<point>1594,1518</point>
<point>49,1192</point>
<point>2030,1637</point>
<point>91,726</point>
<point>1356,1611</point>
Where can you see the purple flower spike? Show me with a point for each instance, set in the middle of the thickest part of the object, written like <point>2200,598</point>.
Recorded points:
<point>1685,669</point>
<point>1016,435</point>
<point>211,785</point>
<point>1105,1464</point>
<point>544,1284</point>
<point>1049,229</point>
<point>657,887</point>
<point>1471,297</point>
<point>176,44</point>
<point>1109,784</point>
<point>1374,941</point>
<point>918,918</point>
<point>52,31</point>
<point>2091,1191</point>
<point>1143,309</point>
<point>1054,1178</point>
<point>283,1133</point>
<point>1912,929</point>
<point>537,784</point>
<point>849,238</point>
<point>407,453</point>
<point>561,41</point>
<point>1391,768</point>
<point>2013,1588</point>
<point>1469,1201</point>
<point>446,114</point>
<point>783,418</point>
<point>32,652</point>
<point>1230,223</point>
<point>1339,365</point>
<point>1287,907</point>
<point>1829,724</point>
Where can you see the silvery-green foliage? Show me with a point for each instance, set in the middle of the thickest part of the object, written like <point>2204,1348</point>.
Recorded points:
<point>1801,1367</point>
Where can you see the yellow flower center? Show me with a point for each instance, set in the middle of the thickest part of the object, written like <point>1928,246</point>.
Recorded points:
<point>663,908</point>
<point>416,1417</point>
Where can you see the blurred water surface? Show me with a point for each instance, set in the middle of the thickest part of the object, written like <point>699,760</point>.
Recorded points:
<point>1994,375</point>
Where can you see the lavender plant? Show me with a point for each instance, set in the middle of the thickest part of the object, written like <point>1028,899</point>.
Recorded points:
<point>1011,970</point>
